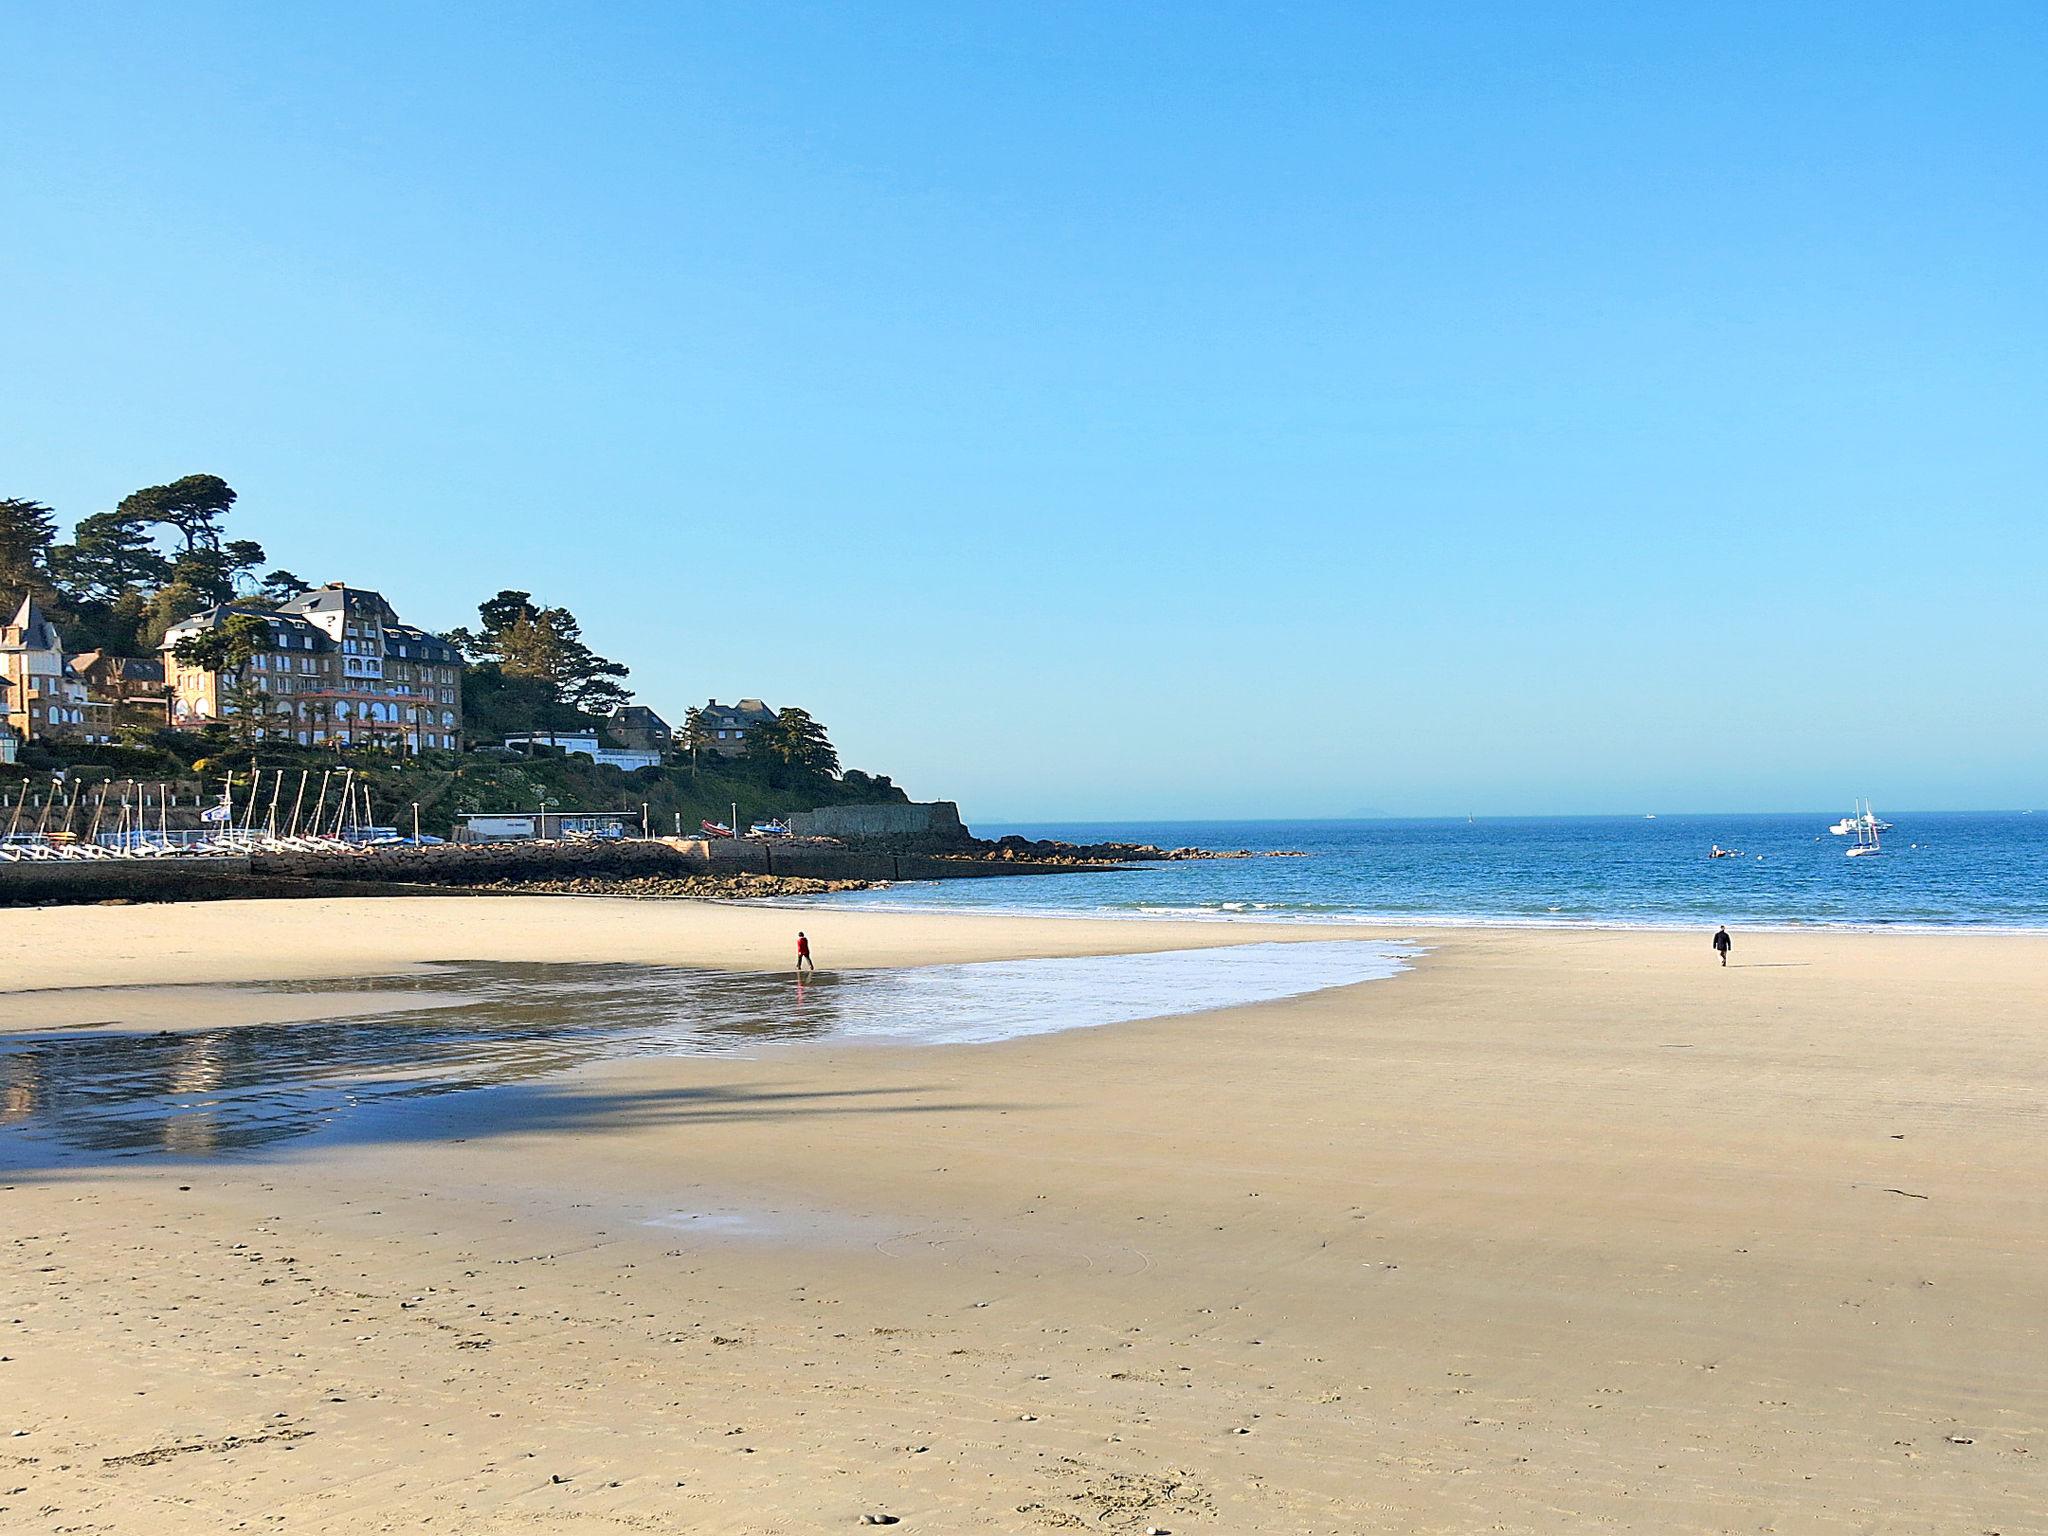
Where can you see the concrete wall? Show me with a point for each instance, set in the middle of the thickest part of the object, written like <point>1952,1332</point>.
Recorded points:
<point>934,818</point>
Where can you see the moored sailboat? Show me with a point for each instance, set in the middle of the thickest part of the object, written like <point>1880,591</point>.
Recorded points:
<point>1867,826</point>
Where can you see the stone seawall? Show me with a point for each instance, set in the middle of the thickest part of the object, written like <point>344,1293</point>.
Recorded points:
<point>87,881</point>
<point>453,870</point>
<point>938,819</point>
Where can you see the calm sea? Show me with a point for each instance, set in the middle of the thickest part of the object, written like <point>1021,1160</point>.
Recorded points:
<point>1938,869</point>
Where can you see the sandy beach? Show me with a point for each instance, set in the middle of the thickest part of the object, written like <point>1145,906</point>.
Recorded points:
<point>1555,1231</point>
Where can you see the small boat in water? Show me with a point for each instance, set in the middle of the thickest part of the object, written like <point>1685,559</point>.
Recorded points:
<point>1867,827</point>
<point>1718,852</point>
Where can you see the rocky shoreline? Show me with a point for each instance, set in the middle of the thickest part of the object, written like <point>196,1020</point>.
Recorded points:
<point>734,887</point>
<point>1053,851</point>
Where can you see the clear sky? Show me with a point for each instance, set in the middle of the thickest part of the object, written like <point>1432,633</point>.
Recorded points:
<point>1109,410</point>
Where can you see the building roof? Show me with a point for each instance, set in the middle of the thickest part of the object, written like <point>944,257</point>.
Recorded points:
<point>37,632</point>
<point>340,597</point>
<point>419,644</point>
<point>746,712</point>
<point>638,716</point>
<point>406,640</point>
<point>301,630</point>
<point>126,669</point>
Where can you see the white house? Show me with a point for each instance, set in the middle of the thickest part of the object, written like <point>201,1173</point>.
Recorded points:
<point>585,744</point>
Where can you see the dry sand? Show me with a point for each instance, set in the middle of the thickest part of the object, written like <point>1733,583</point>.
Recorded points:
<point>1555,1232</point>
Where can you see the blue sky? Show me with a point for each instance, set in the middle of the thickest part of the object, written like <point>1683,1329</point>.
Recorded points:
<point>1109,410</point>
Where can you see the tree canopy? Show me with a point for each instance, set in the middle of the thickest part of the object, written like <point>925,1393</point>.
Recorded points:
<point>527,643</point>
<point>794,740</point>
<point>27,530</point>
<point>192,507</point>
<point>124,577</point>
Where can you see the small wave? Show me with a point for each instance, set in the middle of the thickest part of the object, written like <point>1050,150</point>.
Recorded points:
<point>1312,914</point>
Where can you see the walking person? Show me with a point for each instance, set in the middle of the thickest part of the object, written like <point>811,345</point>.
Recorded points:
<point>1722,943</point>
<point>803,955</point>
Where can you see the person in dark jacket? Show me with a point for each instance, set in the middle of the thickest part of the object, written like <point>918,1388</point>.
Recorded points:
<point>1722,943</point>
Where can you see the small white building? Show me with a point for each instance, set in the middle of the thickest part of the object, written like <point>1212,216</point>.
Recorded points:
<point>585,744</point>
<point>549,826</point>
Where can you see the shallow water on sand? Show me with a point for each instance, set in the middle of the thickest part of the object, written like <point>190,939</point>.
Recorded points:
<point>358,1075</point>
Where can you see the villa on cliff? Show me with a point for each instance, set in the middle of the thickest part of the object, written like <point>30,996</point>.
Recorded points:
<point>726,725</point>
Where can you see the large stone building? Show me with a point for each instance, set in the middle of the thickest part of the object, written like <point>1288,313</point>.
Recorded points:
<point>339,667</point>
<point>725,726</point>
<point>639,729</point>
<point>44,699</point>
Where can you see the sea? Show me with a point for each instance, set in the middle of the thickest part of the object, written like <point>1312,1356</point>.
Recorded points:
<point>1937,870</point>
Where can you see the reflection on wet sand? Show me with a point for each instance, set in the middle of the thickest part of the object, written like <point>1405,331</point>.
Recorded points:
<point>478,1025</point>
<point>200,1091</point>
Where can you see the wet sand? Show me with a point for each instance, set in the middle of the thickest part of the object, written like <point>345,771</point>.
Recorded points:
<point>1555,1231</point>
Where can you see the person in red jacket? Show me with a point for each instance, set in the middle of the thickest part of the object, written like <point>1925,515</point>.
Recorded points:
<point>803,954</point>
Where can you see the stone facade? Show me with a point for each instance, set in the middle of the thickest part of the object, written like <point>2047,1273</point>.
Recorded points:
<point>726,725</point>
<point>340,667</point>
<point>639,729</point>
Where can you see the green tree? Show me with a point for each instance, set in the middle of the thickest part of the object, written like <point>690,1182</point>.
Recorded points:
<point>119,588</point>
<point>192,506</point>
<point>793,740</point>
<point>281,586</point>
<point>696,735</point>
<point>200,579</point>
<point>110,557</point>
<point>227,649</point>
<point>544,644</point>
<point>27,530</point>
<point>495,705</point>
